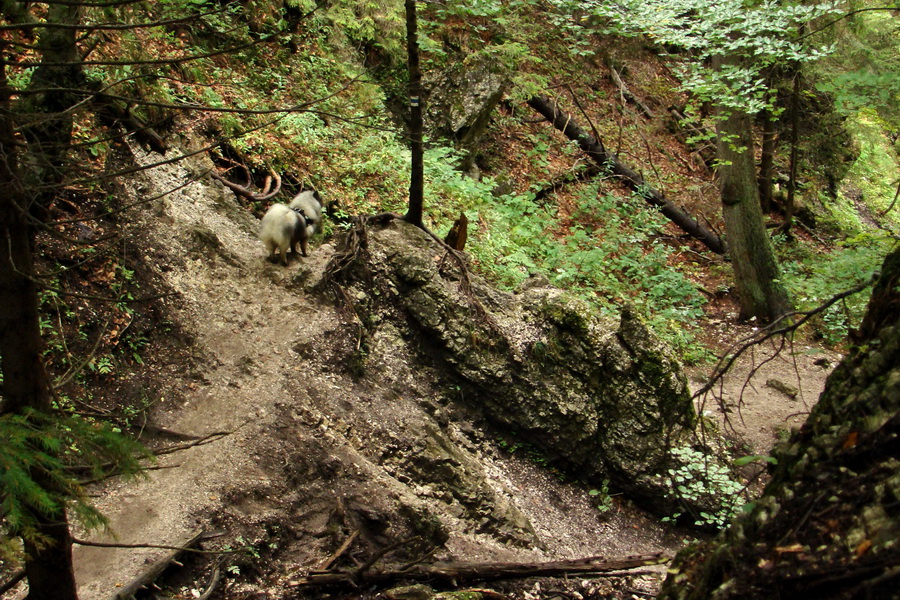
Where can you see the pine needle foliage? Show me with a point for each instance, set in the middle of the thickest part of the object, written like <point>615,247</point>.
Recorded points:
<point>45,460</point>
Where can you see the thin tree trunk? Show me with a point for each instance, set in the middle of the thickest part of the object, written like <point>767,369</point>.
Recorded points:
<point>594,148</point>
<point>49,566</point>
<point>795,143</point>
<point>49,133</point>
<point>756,271</point>
<point>767,161</point>
<point>416,182</point>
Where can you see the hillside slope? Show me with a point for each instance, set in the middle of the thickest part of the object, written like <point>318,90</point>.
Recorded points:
<point>267,362</point>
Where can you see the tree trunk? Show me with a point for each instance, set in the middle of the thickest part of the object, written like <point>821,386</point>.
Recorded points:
<point>756,271</point>
<point>795,145</point>
<point>48,563</point>
<point>49,567</point>
<point>767,161</point>
<point>827,525</point>
<point>594,149</point>
<point>416,181</point>
<point>48,130</point>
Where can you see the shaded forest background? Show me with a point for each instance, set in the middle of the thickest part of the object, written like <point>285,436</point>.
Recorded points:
<point>315,95</point>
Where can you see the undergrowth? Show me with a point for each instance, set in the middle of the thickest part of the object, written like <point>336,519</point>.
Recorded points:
<point>609,252</point>
<point>813,277</point>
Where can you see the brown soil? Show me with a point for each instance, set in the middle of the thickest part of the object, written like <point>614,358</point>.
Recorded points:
<point>258,357</point>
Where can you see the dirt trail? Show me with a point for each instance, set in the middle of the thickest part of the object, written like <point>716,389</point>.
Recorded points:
<point>245,325</point>
<point>769,391</point>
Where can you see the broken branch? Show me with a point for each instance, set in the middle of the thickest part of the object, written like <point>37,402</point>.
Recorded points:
<point>268,192</point>
<point>459,571</point>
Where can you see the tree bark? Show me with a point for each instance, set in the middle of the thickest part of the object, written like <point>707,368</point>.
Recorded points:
<point>756,271</point>
<point>48,130</point>
<point>594,148</point>
<point>827,524</point>
<point>48,566</point>
<point>795,147</point>
<point>767,161</point>
<point>467,571</point>
<point>26,385</point>
<point>416,180</point>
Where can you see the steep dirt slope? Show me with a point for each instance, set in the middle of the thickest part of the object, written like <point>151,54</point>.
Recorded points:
<point>314,453</point>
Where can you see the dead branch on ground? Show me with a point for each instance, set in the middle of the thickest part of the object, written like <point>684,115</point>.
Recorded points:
<point>595,149</point>
<point>455,572</point>
<point>156,568</point>
<point>625,93</point>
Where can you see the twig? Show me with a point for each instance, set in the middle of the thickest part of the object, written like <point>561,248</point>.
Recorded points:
<point>326,564</point>
<point>626,93</point>
<point>184,548</point>
<point>728,359</point>
<point>893,202</point>
<point>207,439</point>
<point>214,580</point>
<point>14,580</point>
<point>359,573</point>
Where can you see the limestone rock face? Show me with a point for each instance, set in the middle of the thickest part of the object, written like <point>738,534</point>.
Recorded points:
<point>460,103</point>
<point>601,399</point>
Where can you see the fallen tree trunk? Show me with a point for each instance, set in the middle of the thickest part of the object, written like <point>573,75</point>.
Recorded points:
<point>594,148</point>
<point>155,569</point>
<point>455,572</point>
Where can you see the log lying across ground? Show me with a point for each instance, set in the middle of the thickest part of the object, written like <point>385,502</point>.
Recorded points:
<point>633,179</point>
<point>455,572</point>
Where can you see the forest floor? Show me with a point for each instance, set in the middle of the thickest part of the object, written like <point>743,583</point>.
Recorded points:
<point>231,372</point>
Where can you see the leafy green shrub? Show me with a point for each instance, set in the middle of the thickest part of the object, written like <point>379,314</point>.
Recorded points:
<point>610,256</point>
<point>697,479</point>
<point>813,278</point>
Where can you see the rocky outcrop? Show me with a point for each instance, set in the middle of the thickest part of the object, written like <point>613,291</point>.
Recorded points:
<point>604,400</point>
<point>460,103</point>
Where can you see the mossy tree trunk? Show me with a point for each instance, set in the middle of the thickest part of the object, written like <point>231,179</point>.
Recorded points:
<point>756,272</point>
<point>828,523</point>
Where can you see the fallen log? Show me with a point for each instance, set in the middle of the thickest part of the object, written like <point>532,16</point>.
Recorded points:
<point>594,148</point>
<point>454,572</point>
<point>156,568</point>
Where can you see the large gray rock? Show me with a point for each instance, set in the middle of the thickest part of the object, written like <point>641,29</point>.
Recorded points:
<point>460,102</point>
<point>600,398</point>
